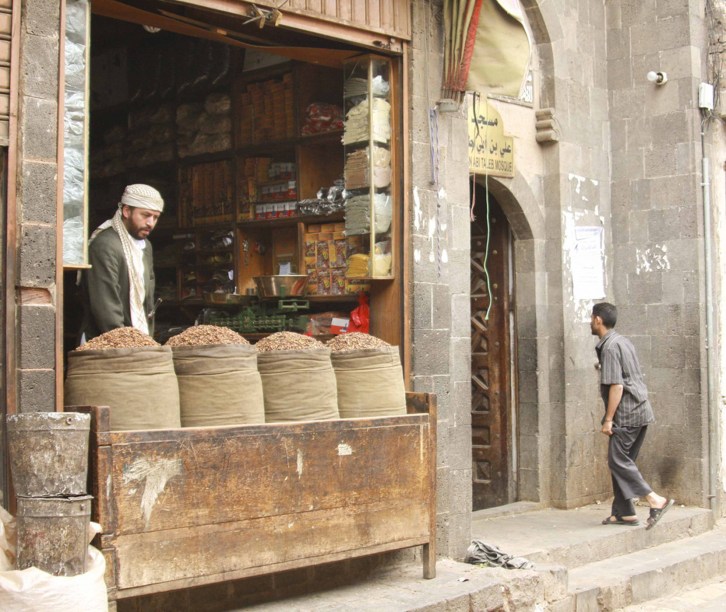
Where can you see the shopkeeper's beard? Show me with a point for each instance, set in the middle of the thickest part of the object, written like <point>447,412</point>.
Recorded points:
<point>139,222</point>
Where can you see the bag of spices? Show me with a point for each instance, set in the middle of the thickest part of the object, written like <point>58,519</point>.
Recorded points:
<point>297,378</point>
<point>368,375</point>
<point>218,379</point>
<point>129,372</point>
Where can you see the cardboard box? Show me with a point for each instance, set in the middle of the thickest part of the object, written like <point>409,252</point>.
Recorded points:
<point>312,280</point>
<point>353,286</point>
<point>324,283</point>
<point>339,325</point>
<point>339,254</point>
<point>337,282</point>
<point>311,245</point>
<point>323,254</point>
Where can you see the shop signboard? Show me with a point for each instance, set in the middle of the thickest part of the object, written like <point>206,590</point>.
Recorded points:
<point>490,150</point>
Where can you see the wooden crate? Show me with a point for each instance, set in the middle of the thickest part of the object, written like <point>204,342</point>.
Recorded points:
<point>186,507</point>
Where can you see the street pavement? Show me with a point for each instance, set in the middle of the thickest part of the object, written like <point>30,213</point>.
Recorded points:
<point>704,597</point>
<point>580,565</point>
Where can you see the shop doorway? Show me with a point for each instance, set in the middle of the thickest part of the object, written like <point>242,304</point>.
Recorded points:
<point>174,104</point>
<point>492,401</point>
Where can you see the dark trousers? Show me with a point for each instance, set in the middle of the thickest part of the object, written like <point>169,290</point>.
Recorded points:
<point>628,483</point>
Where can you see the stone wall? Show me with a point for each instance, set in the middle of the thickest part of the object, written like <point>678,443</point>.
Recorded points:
<point>616,165</point>
<point>657,248</point>
<point>439,226</point>
<point>36,205</point>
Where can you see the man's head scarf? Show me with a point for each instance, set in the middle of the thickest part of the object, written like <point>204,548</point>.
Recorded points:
<point>143,196</point>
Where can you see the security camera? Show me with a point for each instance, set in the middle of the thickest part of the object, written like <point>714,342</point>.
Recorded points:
<point>659,78</point>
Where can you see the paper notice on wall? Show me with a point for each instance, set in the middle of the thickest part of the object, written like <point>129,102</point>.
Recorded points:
<point>588,264</point>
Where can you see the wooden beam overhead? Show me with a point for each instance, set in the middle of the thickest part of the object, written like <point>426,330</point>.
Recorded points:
<point>181,24</point>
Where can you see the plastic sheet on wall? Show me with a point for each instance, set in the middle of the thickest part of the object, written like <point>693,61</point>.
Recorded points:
<point>75,133</point>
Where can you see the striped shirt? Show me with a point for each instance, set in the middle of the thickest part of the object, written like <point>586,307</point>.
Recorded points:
<point>619,366</point>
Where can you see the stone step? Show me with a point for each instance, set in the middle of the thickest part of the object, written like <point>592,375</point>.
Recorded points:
<point>637,577</point>
<point>573,538</point>
<point>457,587</point>
<point>709,596</point>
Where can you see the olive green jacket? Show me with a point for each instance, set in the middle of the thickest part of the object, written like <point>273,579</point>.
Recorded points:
<point>105,286</point>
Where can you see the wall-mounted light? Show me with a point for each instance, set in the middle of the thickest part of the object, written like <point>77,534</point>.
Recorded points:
<point>151,29</point>
<point>659,78</point>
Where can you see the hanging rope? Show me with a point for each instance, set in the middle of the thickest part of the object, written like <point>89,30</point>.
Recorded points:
<point>482,137</point>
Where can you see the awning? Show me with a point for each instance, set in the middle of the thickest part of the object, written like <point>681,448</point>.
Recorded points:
<point>501,54</point>
<point>486,47</point>
<point>461,18</point>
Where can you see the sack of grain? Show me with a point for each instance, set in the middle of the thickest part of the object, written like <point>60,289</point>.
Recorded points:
<point>218,384</point>
<point>298,382</point>
<point>139,384</point>
<point>368,375</point>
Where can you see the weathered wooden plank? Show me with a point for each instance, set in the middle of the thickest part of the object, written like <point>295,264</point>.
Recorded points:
<point>236,474</point>
<point>261,544</point>
<point>188,507</point>
<point>386,16</point>
<point>103,435</point>
<point>236,574</point>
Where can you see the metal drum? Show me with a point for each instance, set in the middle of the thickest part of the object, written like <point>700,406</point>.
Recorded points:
<point>52,534</point>
<point>48,453</point>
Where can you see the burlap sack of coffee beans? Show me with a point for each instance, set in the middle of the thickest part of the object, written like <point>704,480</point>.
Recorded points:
<point>297,378</point>
<point>218,379</point>
<point>368,376</point>
<point>129,372</point>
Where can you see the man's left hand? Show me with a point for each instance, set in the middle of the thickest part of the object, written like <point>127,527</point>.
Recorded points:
<point>607,428</point>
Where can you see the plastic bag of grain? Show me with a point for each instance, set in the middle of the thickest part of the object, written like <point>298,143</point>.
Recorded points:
<point>129,372</point>
<point>218,379</point>
<point>298,382</point>
<point>368,376</point>
<point>34,590</point>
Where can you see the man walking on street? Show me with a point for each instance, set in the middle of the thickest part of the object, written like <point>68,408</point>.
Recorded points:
<point>627,416</point>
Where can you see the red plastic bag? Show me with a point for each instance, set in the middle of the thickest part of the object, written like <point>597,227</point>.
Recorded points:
<point>360,317</point>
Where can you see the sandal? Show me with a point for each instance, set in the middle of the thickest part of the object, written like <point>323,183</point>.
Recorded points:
<point>619,520</point>
<point>657,513</point>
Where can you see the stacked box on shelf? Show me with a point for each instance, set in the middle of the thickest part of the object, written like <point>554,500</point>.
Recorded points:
<point>205,193</point>
<point>245,129</point>
<point>326,251</point>
<point>266,111</point>
<point>277,116</point>
<point>289,107</point>
<point>267,188</point>
<point>250,172</point>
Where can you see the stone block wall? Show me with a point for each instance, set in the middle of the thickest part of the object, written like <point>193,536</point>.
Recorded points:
<point>37,176</point>
<point>439,226</point>
<point>657,231</point>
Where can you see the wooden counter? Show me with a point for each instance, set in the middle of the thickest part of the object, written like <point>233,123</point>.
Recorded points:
<point>185,507</point>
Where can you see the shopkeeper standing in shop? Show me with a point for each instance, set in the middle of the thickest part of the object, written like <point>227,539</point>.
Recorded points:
<point>118,289</point>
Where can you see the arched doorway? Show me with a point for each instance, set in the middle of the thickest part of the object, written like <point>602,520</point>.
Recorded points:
<point>493,416</point>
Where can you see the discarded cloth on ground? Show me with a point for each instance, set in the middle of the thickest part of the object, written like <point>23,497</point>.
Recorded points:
<point>480,553</point>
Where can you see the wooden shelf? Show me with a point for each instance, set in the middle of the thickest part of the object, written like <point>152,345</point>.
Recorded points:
<point>289,144</point>
<point>348,297</point>
<point>285,221</point>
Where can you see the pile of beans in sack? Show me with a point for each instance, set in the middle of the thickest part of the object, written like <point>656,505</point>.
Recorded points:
<point>219,383</point>
<point>368,375</point>
<point>131,373</point>
<point>297,378</point>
